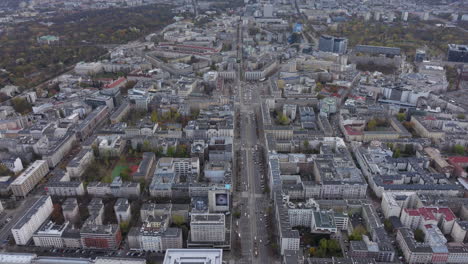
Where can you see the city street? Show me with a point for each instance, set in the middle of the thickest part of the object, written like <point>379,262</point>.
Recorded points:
<point>253,201</point>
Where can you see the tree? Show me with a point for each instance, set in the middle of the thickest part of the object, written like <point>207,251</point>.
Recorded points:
<point>125,174</point>
<point>253,31</point>
<point>306,145</point>
<point>182,151</point>
<point>461,116</point>
<point>154,116</point>
<point>21,105</point>
<point>282,119</point>
<point>5,171</point>
<point>124,227</point>
<point>388,226</point>
<point>237,214</point>
<point>397,153</point>
<point>171,151</point>
<point>318,86</point>
<point>146,147</point>
<point>57,215</point>
<point>409,149</point>
<point>401,117</point>
<point>178,220</point>
<point>419,235</point>
<point>459,149</point>
<point>357,233</point>
<point>333,247</point>
<point>371,125</point>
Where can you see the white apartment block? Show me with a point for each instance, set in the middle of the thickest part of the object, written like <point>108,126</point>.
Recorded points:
<point>207,228</point>
<point>186,166</point>
<point>289,243</point>
<point>34,217</point>
<point>122,210</point>
<point>151,243</point>
<point>27,180</point>
<point>301,217</point>
<point>50,235</point>
<point>394,202</point>
<point>79,163</point>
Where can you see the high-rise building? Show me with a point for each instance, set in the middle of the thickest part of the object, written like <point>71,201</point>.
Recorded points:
<point>333,44</point>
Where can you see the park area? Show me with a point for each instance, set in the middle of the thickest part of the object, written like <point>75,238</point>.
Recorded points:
<point>106,170</point>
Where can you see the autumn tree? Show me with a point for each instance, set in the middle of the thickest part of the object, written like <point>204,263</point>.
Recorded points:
<point>371,125</point>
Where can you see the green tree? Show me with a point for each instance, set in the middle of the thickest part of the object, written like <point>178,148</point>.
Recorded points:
<point>146,146</point>
<point>401,117</point>
<point>178,220</point>
<point>182,151</point>
<point>171,151</point>
<point>154,116</point>
<point>124,227</point>
<point>282,119</point>
<point>388,226</point>
<point>397,153</point>
<point>357,233</point>
<point>371,125</point>
<point>459,149</point>
<point>409,149</point>
<point>318,87</point>
<point>237,214</point>
<point>419,235</point>
<point>461,116</point>
<point>306,144</point>
<point>21,105</point>
<point>125,174</point>
<point>333,247</point>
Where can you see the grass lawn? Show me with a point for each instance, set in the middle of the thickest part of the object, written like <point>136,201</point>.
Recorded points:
<point>117,170</point>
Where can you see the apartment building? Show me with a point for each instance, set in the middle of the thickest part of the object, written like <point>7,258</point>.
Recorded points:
<point>27,180</point>
<point>32,219</point>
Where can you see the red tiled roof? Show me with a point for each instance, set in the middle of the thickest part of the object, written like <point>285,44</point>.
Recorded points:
<point>116,83</point>
<point>458,159</point>
<point>427,213</point>
<point>351,131</point>
<point>448,214</point>
<point>412,212</point>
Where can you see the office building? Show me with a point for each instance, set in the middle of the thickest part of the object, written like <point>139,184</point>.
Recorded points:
<point>207,228</point>
<point>181,256</point>
<point>333,44</point>
<point>101,236</point>
<point>457,53</point>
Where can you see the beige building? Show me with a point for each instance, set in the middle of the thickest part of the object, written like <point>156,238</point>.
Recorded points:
<point>27,180</point>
